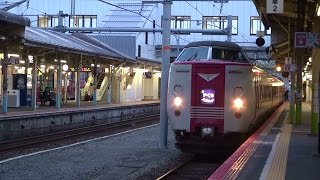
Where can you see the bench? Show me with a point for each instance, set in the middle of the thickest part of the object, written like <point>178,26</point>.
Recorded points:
<point>44,100</point>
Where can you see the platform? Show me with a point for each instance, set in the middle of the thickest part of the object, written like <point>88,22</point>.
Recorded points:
<point>20,123</point>
<point>70,105</point>
<point>278,150</point>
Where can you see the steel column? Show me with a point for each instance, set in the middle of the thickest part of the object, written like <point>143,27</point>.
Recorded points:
<point>95,83</point>
<point>65,87</point>
<point>59,77</point>
<point>109,86</point>
<point>229,29</point>
<point>5,81</point>
<point>78,81</point>
<point>301,6</point>
<point>292,79</point>
<point>176,31</point>
<point>165,72</point>
<point>34,83</point>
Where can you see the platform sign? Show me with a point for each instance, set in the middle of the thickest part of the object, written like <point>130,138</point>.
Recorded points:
<point>288,60</point>
<point>300,39</point>
<point>275,6</point>
<point>307,39</point>
<point>11,61</point>
<point>289,67</point>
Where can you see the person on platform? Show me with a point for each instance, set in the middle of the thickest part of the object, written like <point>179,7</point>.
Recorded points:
<point>90,92</point>
<point>286,94</point>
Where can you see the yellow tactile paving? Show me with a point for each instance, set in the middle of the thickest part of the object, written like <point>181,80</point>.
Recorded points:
<point>279,161</point>
<point>243,159</point>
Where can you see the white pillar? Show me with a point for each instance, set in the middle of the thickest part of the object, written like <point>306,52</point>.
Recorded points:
<point>34,83</point>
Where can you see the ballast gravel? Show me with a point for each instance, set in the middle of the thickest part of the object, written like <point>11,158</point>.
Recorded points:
<point>133,155</point>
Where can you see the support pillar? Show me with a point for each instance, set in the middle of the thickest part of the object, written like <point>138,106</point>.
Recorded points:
<point>78,94</point>
<point>5,81</point>
<point>315,84</point>
<point>109,85</point>
<point>229,27</point>
<point>292,97</point>
<point>299,61</point>
<point>292,79</point>
<point>315,89</point>
<point>26,59</point>
<point>119,84</point>
<point>58,95</point>
<point>34,83</point>
<point>165,72</point>
<point>95,73</point>
<point>65,87</point>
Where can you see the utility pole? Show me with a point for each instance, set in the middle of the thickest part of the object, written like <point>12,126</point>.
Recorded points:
<point>165,72</point>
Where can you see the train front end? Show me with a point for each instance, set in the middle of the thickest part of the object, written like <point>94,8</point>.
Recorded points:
<point>206,102</point>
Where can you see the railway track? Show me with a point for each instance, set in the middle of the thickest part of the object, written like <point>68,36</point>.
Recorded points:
<point>199,167</point>
<point>34,140</point>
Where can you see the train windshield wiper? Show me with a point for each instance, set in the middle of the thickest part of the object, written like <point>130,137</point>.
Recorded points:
<point>193,56</point>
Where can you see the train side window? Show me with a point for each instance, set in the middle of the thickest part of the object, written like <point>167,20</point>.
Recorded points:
<point>216,53</point>
<point>242,58</point>
<point>193,53</point>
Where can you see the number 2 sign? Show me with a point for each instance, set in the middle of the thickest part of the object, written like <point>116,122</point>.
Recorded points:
<point>274,6</point>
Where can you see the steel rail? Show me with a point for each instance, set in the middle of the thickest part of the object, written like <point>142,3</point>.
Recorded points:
<point>24,142</point>
<point>193,169</point>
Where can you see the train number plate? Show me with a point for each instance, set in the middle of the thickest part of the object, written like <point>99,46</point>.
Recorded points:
<point>207,96</point>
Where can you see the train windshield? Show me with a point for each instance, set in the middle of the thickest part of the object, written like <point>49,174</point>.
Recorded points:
<point>228,55</point>
<point>193,53</point>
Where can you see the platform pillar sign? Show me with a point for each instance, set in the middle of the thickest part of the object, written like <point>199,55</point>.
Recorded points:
<point>288,60</point>
<point>274,6</point>
<point>300,39</point>
<point>307,40</point>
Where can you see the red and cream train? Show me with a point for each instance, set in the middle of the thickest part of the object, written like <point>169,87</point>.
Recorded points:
<point>216,95</point>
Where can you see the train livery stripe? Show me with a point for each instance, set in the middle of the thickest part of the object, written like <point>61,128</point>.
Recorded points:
<point>207,112</point>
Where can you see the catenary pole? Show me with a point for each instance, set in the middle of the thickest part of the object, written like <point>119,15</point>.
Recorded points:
<point>165,72</point>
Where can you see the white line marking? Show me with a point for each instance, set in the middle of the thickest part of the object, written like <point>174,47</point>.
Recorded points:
<point>267,166</point>
<point>75,144</point>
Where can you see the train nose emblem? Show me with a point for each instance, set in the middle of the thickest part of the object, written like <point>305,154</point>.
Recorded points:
<point>178,89</point>
<point>208,77</point>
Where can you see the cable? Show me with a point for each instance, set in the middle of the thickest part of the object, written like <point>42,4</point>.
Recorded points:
<point>241,34</point>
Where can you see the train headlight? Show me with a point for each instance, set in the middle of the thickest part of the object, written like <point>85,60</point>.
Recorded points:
<point>178,101</point>
<point>238,103</point>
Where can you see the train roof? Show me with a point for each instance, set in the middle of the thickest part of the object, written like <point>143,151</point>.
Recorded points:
<point>214,43</point>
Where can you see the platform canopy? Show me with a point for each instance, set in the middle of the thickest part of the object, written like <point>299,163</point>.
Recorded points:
<point>18,37</point>
<point>76,43</point>
<point>294,15</point>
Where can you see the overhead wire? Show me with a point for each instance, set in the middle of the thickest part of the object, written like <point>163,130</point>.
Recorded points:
<point>239,32</point>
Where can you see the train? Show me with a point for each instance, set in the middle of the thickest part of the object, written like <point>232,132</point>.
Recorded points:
<point>216,96</point>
